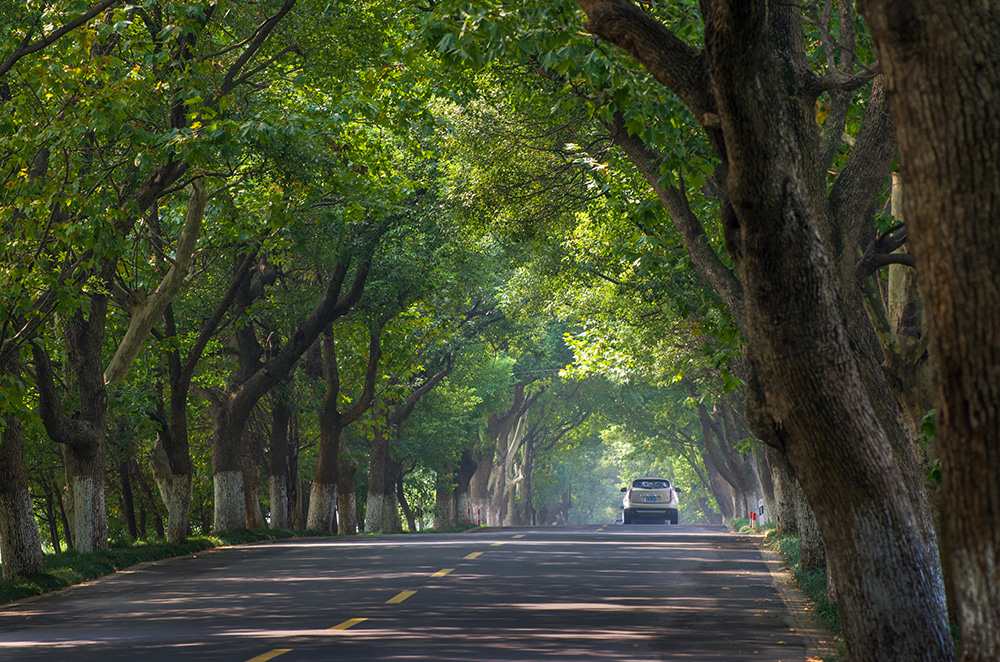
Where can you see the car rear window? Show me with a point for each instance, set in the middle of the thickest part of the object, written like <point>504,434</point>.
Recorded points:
<point>651,484</point>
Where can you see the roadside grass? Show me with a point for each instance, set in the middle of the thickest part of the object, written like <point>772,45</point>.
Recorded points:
<point>811,582</point>
<point>69,568</point>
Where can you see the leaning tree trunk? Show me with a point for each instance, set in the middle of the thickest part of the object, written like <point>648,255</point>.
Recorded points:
<point>814,401</point>
<point>943,69</point>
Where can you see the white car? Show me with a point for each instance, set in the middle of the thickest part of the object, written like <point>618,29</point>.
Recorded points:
<point>650,499</point>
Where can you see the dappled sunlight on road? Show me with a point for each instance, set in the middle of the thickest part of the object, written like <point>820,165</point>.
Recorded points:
<point>574,594</point>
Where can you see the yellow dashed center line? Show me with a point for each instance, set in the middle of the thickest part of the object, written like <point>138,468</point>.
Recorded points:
<point>442,572</point>
<point>473,555</point>
<point>399,597</point>
<point>270,655</point>
<point>497,544</point>
<point>348,624</point>
<point>520,535</point>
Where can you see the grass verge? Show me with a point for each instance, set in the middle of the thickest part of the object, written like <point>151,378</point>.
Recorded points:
<point>811,582</point>
<point>69,568</point>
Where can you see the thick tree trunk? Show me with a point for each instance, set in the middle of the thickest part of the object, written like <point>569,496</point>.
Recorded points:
<point>786,488</point>
<point>382,509</point>
<point>227,473</point>
<point>813,397</point>
<point>82,434</point>
<point>811,550</point>
<point>479,500</point>
<point>323,494</point>
<point>943,70</point>
<point>445,509</point>
<point>20,543</point>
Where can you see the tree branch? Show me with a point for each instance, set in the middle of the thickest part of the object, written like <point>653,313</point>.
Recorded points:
<point>27,48</point>
<point>667,58</point>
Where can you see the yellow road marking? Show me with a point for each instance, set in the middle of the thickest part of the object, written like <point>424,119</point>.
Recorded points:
<point>442,572</point>
<point>473,555</point>
<point>348,624</point>
<point>520,535</point>
<point>402,595</point>
<point>497,544</point>
<point>270,655</point>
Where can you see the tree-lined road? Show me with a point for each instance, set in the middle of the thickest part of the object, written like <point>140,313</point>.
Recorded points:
<point>584,593</point>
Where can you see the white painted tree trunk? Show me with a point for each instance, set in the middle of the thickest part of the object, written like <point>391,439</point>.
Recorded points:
<point>175,490</point>
<point>445,510</point>
<point>86,514</point>
<point>373,512</point>
<point>280,510</point>
<point>322,507</point>
<point>382,514</point>
<point>20,543</point>
<point>230,505</point>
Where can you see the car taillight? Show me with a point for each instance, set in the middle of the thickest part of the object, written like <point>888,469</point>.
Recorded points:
<point>629,494</point>
<point>671,494</point>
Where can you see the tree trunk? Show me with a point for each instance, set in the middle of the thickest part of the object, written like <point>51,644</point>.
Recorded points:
<point>280,459</point>
<point>943,69</point>
<point>479,496</point>
<point>255,379</point>
<point>20,543</point>
<point>812,553</point>
<point>786,488</point>
<point>251,482</point>
<point>382,509</point>
<point>812,395</point>
<point>227,472</point>
<point>347,500</point>
<point>445,508</point>
<point>51,512</point>
<point>128,503</point>
<point>82,434</point>
<point>175,490</point>
<point>725,496</point>
<point>404,505</point>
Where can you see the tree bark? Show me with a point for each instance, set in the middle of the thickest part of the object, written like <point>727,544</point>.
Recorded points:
<point>20,542</point>
<point>785,489</point>
<point>324,495</point>
<point>82,433</point>
<point>812,395</point>
<point>280,460</point>
<point>382,509</point>
<point>347,498</point>
<point>943,71</point>
<point>232,410</point>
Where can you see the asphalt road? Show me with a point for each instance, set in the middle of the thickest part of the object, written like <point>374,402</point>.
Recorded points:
<point>640,592</point>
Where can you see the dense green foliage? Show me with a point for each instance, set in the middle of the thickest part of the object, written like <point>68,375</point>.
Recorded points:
<point>465,152</point>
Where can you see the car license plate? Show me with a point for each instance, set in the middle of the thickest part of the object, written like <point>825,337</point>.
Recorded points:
<point>652,498</point>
